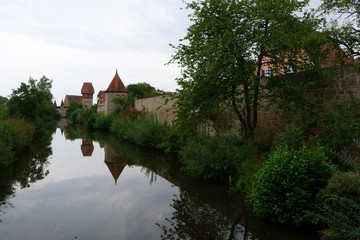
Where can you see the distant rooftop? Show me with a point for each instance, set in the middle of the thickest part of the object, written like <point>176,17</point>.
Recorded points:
<point>117,85</point>
<point>87,88</point>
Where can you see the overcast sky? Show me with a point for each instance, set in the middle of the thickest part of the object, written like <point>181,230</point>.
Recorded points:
<point>76,41</point>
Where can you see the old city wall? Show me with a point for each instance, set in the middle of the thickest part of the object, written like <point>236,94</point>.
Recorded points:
<point>270,122</point>
<point>161,107</point>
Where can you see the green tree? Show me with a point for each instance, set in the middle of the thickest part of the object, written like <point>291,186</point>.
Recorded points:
<point>141,90</point>
<point>73,105</point>
<point>33,101</point>
<point>124,102</point>
<point>229,44</point>
<point>345,28</point>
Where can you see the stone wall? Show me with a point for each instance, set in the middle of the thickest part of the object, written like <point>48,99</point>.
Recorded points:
<point>346,82</point>
<point>109,105</point>
<point>87,103</point>
<point>161,107</point>
<point>101,109</point>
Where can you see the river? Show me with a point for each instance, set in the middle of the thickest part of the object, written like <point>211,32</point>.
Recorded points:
<point>94,186</point>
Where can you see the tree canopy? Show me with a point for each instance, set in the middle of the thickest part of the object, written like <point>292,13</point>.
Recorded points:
<point>345,27</point>
<point>33,101</point>
<point>142,90</point>
<point>225,50</point>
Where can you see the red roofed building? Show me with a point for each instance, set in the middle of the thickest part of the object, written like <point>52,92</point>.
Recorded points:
<point>72,98</point>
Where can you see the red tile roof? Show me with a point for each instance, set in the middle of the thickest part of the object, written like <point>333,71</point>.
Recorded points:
<point>87,88</point>
<point>62,103</point>
<point>55,103</point>
<point>72,98</point>
<point>117,85</point>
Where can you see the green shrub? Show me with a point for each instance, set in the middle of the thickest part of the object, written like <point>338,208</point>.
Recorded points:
<point>247,171</point>
<point>143,131</point>
<point>285,189</point>
<point>103,122</point>
<point>211,158</point>
<point>72,107</point>
<point>15,134</point>
<point>343,125</point>
<point>340,207</point>
<point>90,122</point>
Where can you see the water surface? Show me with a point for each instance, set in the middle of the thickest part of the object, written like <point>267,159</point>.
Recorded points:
<point>108,189</point>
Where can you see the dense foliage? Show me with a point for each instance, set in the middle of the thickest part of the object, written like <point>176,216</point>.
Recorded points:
<point>339,202</point>
<point>211,158</point>
<point>142,131</point>
<point>285,189</point>
<point>28,114</point>
<point>15,135</point>
<point>342,125</point>
<point>142,90</point>
<point>344,27</point>
<point>33,102</point>
<point>227,47</point>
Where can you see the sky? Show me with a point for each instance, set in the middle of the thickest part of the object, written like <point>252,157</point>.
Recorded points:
<point>76,41</point>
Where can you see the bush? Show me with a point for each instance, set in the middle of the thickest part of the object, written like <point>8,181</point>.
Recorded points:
<point>339,202</point>
<point>340,206</point>
<point>342,126</point>
<point>103,122</point>
<point>285,189</point>
<point>143,131</point>
<point>248,170</point>
<point>15,134</point>
<point>211,158</point>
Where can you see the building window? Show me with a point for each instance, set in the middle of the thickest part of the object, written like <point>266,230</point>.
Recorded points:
<point>268,72</point>
<point>290,69</point>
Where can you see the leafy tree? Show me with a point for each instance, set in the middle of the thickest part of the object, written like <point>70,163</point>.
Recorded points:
<point>3,100</point>
<point>229,44</point>
<point>73,105</point>
<point>345,28</point>
<point>124,102</point>
<point>3,108</point>
<point>33,101</point>
<point>142,90</point>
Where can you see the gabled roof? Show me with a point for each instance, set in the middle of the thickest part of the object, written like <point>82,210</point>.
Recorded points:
<point>87,88</point>
<point>62,103</point>
<point>55,103</point>
<point>117,85</point>
<point>75,98</point>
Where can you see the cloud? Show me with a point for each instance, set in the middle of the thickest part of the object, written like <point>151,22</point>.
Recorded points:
<point>76,41</point>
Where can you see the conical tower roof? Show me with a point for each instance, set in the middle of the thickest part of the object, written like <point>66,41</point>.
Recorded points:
<point>115,169</point>
<point>117,85</point>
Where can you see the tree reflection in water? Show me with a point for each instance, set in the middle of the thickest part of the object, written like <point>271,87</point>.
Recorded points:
<point>194,219</point>
<point>30,166</point>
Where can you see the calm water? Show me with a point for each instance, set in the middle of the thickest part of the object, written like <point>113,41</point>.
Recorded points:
<point>108,189</point>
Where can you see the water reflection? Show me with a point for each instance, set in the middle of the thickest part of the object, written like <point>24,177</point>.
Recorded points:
<point>121,191</point>
<point>113,161</point>
<point>31,166</point>
<point>87,147</point>
<point>199,210</point>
